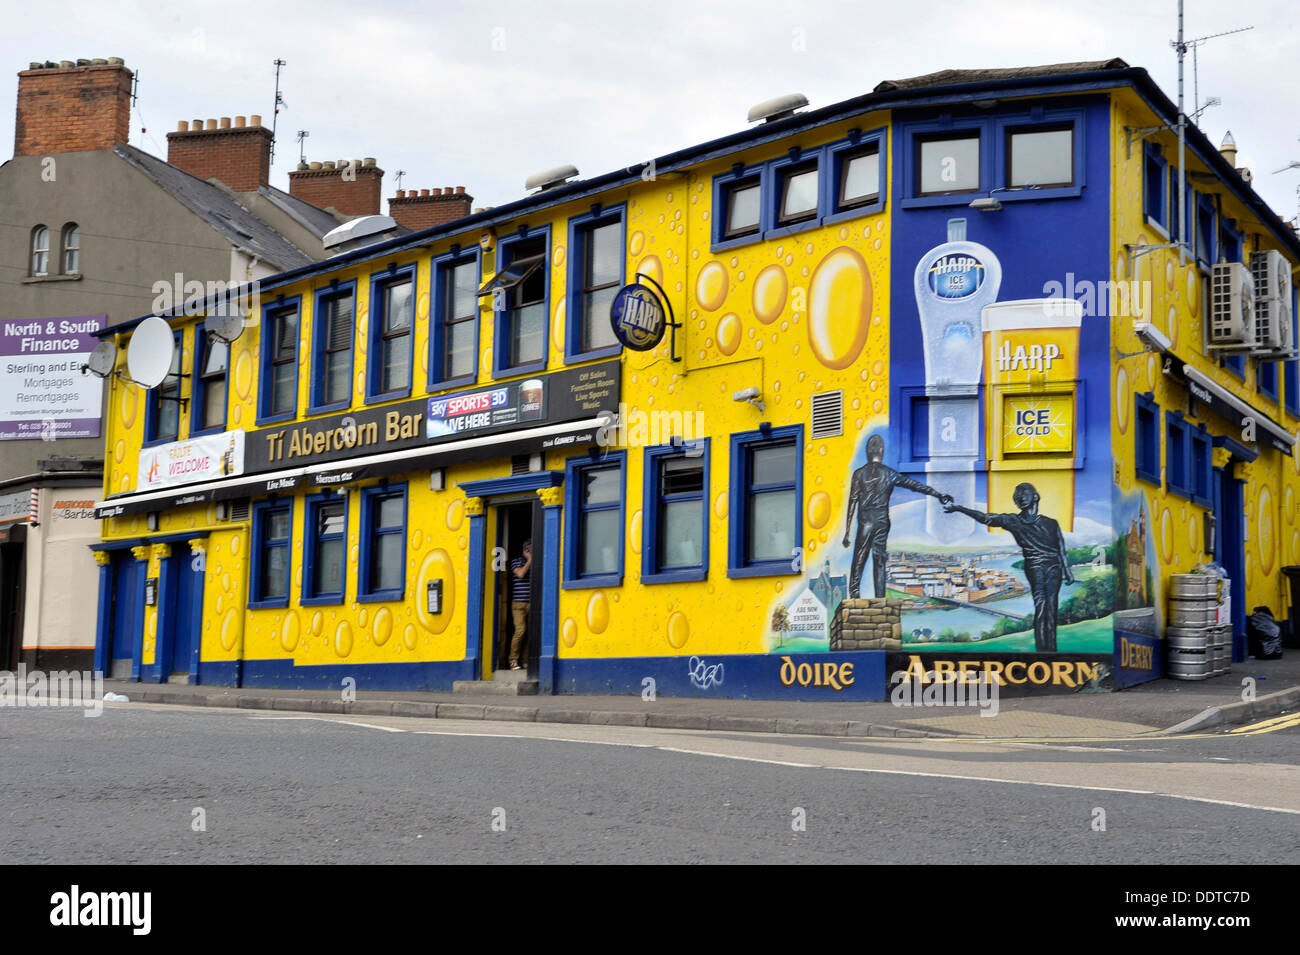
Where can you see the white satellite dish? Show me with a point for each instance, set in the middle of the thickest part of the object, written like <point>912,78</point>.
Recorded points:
<point>149,356</point>
<point>225,326</point>
<point>101,360</point>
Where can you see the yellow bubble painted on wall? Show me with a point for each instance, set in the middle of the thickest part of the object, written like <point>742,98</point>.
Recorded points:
<point>455,514</point>
<point>636,243</point>
<point>1288,505</point>
<point>819,509</point>
<point>557,325</point>
<point>289,632</point>
<point>409,636</point>
<point>343,638</point>
<point>711,286</point>
<point>119,451</point>
<point>569,632</point>
<point>383,627</point>
<point>363,616</point>
<point>839,307</point>
<point>651,267</point>
<point>770,290</point>
<point>720,505</point>
<point>317,623</point>
<point>597,613</point>
<point>1123,399</point>
<point>1193,294</point>
<point>243,374</point>
<point>1166,536</point>
<point>678,630</point>
<point>237,415</point>
<point>729,333</point>
<point>422,307</point>
<point>1264,540</point>
<point>437,566</point>
<point>230,629</point>
<point>634,532</point>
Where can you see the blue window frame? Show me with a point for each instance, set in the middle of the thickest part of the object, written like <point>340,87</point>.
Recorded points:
<point>391,348</point>
<point>855,182</point>
<point>333,341</point>
<point>325,541</point>
<point>1267,378</point>
<point>597,269</point>
<point>797,196</point>
<point>1039,154</point>
<point>1229,241</point>
<point>741,208</point>
<point>454,322</point>
<point>1177,454</point>
<point>382,571</point>
<point>277,388</point>
<point>521,301</point>
<point>1146,438</point>
<point>1157,187</point>
<point>1291,370</point>
<point>765,531</point>
<point>162,410</point>
<point>1201,466</point>
<point>208,388</point>
<point>268,585</point>
<point>595,492</point>
<point>675,516</point>
<point>1204,226</point>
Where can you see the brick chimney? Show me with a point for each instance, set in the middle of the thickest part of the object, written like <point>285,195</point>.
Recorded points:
<point>238,155</point>
<point>428,208</point>
<point>353,187</point>
<point>72,107</point>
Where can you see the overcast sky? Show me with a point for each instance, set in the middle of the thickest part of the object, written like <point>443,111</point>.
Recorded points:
<point>483,94</point>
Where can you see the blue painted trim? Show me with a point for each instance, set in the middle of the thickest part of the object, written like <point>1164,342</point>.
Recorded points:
<point>515,484</point>
<point>474,593</point>
<point>503,318</point>
<point>267,340</point>
<point>165,632</point>
<point>431,676</point>
<point>1206,241</point>
<point>580,227</point>
<point>374,345</point>
<point>574,468</point>
<point>198,391</point>
<point>1146,460</point>
<point>104,618</point>
<point>1266,378</point>
<point>319,336</point>
<point>738,495</point>
<point>1155,169</point>
<point>1291,372</point>
<point>137,624</point>
<point>723,184</point>
<point>836,154</point>
<point>151,405</point>
<point>1177,427</point>
<point>128,543</point>
<point>1200,438</point>
<point>259,546</point>
<point>1005,125</point>
<point>196,615</point>
<point>308,597</point>
<point>369,514</point>
<point>550,592</point>
<point>777,170</point>
<point>907,181</point>
<point>1125,676</point>
<point>650,511</point>
<point>441,269</point>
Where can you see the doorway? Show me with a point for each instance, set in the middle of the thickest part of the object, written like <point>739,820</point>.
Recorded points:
<point>1230,550</point>
<point>185,608</point>
<point>125,618</point>
<point>12,584</point>
<point>516,523</point>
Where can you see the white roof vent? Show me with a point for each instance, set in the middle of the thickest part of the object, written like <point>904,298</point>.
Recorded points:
<point>778,107</point>
<point>550,178</point>
<point>355,233</point>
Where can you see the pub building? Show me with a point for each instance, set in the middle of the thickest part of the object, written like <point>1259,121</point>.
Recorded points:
<point>922,381</point>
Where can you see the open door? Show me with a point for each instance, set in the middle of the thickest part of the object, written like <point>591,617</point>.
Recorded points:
<point>515,526</point>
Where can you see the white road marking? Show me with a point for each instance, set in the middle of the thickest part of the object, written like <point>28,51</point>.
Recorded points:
<point>324,719</point>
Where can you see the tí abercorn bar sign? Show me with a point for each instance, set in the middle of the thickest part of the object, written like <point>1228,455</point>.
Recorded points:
<point>43,393</point>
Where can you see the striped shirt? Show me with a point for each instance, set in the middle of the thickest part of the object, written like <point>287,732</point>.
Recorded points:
<point>520,587</point>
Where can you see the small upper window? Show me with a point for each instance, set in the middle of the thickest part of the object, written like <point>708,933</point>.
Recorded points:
<point>336,352</point>
<point>1040,157</point>
<point>859,178</point>
<point>212,376</point>
<point>743,209</point>
<point>949,164</point>
<point>40,263</point>
<point>460,317</point>
<point>284,362</point>
<point>395,337</point>
<point>71,249</point>
<point>602,274</point>
<point>798,195</point>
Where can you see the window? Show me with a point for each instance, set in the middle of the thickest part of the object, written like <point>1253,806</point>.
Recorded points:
<point>1292,368</point>
<point>272,529</point>
<point>1041,157</point>
<point>594,493</point>
<point>743,209</point>
<point>1205,231</point>
<point>278,389</point>
<point>1201,468</point>
<point>40,261</point>
<point>1267,375</point>
<point>1229,241</point>
<point>208,405</point>
<point>766,480</point>
<point>163,417</point>
<point>325,545</point>
<point>947,164</point>
<point>675,525</point>
<point>1155,179</point>
<point>519,293</point>
<point>333,338</point>
<point>383,543</point>
<point>392,318</point>
<point>798,194</point>
<point>859,178</point>
<point>454,333</point>
<point>71,249</point>
<point>1146,438</point>
<point>1177,453</point>
<point>597,266</point>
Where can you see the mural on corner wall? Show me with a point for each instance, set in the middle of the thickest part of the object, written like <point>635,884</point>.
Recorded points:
<point>998,539</point>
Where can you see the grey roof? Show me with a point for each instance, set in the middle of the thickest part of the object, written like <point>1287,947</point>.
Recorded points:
<point>220,210</point>
<point>312,218</point>
<point>958,77</point>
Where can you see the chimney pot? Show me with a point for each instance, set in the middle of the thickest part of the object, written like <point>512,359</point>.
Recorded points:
<point>115,61</point>
<point>225,122</point>
<point>401,193</point>
<point>241,122</point>
<point>302,166</point>
<point>183,126</point>
<point>460,190</point>
<point>99,61</point>
<point>424,192</point>
<point>315,166</point>
<point>196,125</point>
<point>50,64</point>
<point>66,64</point>
<point>82,62</point>
<point>35,66</point>
<point>369,162</point>
<point>327,164</point>
<point>211,124</point>
<point>255,120</point>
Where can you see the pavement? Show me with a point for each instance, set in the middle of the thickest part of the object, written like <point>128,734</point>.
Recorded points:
<point>1162,707</point>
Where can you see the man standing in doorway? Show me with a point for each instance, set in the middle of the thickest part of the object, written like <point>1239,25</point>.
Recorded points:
<point>521,594</point>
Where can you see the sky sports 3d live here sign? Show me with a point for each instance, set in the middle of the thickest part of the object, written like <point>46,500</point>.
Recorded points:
<point>43,393</point>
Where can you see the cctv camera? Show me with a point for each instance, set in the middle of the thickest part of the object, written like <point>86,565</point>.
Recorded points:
<point>749,394</point>
<point>1152,337</point>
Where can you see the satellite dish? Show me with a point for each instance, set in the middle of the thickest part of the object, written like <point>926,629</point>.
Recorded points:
<point>225,326</point>
<point>102,359</point>
<point>149,356</point>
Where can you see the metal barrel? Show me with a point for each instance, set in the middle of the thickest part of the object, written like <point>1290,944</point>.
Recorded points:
<point>1192,613</point>
<point>1183,586</point>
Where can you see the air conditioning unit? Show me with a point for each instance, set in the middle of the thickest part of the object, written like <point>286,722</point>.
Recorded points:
<point>1272,273</point>
<point>1232,305</point>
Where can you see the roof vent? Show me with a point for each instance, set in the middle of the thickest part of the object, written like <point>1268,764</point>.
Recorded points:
<point>353,234</point>
<point>550,178</point>
<point>778,107</point>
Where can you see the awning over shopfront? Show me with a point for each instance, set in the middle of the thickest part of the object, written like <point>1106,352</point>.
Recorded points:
<point>337,473</point>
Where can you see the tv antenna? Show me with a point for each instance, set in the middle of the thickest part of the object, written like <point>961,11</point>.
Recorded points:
<point>1194,45</point>
<point>302,145</point>
<point>400,174</point>
<point>279,101</point>
<point>1293,164</point>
